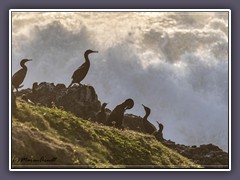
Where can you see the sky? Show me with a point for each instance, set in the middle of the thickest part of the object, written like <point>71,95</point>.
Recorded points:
<point>176,63</point>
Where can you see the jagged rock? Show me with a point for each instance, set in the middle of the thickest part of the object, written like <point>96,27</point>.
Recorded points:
<point>80,100</point>
<point>207,155</point>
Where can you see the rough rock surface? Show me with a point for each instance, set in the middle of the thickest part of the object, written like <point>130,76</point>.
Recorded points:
<point>133,122</point>
<point>79,100</point>
<point>207,155</point>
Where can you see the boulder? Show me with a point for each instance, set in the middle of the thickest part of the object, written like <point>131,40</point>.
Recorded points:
<point>82,100</point>
<point>133,122</point>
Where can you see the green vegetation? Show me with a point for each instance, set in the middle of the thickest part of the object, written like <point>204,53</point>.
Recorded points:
<point>52,138</point>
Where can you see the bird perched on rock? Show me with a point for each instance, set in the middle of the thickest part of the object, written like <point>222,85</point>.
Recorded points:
<point>148,127</point>
<point>82,71</point>
<point>19,76</point>
<point>101,116</point>
<point>159,134</point>
<point>117,115</point>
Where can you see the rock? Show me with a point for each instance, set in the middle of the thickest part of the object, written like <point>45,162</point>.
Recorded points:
<point>82,101</point>
<point>133,122</point>
<point>207,155</point>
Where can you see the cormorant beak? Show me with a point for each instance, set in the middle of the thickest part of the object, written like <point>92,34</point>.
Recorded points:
<point>143,106</point>
<point>29,59</point>
<point>94,51</point>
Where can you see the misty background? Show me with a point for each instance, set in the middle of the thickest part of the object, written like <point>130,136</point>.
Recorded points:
<point>176,63</point>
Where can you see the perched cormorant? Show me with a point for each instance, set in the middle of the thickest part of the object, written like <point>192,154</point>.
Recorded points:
<point>101,115</point>
<point>117,115</point>
<point>158,134</point>
<point>82,71</point>
<point>19,76</point>
<point>148,127</point>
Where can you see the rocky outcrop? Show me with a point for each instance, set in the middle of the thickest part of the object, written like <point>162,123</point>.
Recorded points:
<point>133,122</point>
<point>207,155</point>
<point>82,101</point>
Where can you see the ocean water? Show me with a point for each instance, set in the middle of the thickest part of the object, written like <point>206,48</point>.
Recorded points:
<point>176,63</point>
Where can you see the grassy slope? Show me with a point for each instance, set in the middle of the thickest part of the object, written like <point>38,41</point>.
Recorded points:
<point>44,133</point>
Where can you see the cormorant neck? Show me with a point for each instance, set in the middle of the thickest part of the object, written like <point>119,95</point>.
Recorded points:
<point>160,128</point>
<point>146,115</point>
<point>122,106</point>
<point>23,65</point>
<point>86,58</point>
<point>102,108</point>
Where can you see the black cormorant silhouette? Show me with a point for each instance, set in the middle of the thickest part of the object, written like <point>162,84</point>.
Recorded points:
<point>19,76</point>
<point>102,116</point>
<point>82,71</point>
<point>148,127</point>
<point>159,134</point>
<point>117,115</point>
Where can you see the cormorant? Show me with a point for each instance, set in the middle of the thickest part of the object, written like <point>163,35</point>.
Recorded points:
<point>82,71</point>
<point>158,134</point>
<point>148,127</point>
<point>19,76</point>
<point>102,116</point>
<point>117,115</point>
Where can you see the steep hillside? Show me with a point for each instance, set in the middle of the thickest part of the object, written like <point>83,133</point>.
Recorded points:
<point>44,137</point>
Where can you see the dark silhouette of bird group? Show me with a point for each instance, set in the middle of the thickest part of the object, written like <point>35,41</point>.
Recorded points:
<point>115,118</point>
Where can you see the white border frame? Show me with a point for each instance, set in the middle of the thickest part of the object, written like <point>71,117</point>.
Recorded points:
<point>120,10</point>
